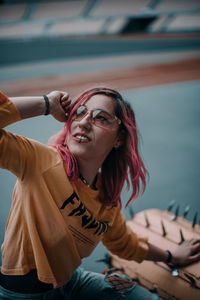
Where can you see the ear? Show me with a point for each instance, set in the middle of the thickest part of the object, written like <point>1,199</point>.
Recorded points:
<point>120,139</point>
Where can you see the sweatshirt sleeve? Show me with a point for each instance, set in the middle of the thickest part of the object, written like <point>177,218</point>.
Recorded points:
<point>8,112</point>
<point>123,242</point>
<point>15,150</point>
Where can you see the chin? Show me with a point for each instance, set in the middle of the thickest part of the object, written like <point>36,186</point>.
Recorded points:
<point>79,151</point>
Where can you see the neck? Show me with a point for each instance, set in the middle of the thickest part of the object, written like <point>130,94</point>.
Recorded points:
<point>93,186</point>
<point>88,172</point>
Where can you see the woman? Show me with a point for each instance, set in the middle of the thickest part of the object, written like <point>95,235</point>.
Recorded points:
<point>67,198</point>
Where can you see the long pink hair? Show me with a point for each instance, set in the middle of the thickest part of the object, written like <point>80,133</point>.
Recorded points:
<point>121,165</point>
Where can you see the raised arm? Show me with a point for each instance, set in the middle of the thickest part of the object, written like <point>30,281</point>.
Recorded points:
<point>56,103</point>
<point>16,152</point>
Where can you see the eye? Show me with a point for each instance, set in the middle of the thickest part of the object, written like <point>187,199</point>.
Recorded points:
<point>81,111</point>
<point>101,118</point>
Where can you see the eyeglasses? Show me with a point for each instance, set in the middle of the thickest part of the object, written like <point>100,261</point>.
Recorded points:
<point>98,117</point>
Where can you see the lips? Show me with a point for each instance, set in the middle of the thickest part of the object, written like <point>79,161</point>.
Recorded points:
<point>81,137</point>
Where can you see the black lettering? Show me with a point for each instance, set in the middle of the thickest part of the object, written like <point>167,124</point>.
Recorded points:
<point>80,210</point>
<point>99,227</point>
<point>93,224</point>
<point>70,200</point>
<point>86,220</point>
<point>104,228</point>
<point>107,226</point>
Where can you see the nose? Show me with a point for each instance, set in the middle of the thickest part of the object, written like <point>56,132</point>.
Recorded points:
<point>86,121</point>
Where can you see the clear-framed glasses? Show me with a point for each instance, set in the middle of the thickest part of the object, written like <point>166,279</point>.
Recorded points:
<point>98,117</point>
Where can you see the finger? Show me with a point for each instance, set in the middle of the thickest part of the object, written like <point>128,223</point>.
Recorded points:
<point>194,258</point>
<point>195,241</point>
<point>64,97</point>
<point>196,247</point>
<point>190,242</point>
<point>66,108</point>
<point>66,102</point>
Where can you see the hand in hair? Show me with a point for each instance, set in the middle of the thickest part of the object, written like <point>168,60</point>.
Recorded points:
<point>59,105</point>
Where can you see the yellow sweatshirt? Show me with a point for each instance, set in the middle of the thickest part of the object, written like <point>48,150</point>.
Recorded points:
<point>54,223</point>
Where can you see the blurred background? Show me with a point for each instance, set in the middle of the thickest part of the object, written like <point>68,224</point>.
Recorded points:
<point>149,50</point>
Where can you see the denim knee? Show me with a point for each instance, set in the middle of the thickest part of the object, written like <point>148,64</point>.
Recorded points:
<point>127,288</point>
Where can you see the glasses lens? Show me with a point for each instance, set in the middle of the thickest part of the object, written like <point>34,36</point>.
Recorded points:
<point>103,119</point>
<point>80,112</point>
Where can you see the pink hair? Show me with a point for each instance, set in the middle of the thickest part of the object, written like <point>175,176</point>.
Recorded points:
<point>121,165</point>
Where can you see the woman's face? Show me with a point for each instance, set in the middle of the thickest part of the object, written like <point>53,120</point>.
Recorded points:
<point>88,141</point>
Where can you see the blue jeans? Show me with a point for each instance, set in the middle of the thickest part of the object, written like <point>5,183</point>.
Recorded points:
<point>88,285</point>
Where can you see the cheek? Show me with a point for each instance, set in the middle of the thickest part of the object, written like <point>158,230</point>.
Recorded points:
<point>71,127</point>
<point>106,140</point>
<point>68,138</point>
<point>71,131</point>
